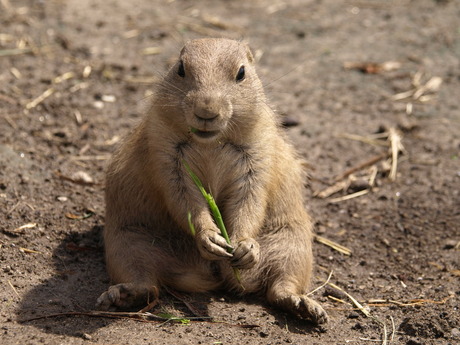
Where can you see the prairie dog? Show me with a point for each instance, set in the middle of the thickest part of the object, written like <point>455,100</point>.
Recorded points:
<point>210,111</point>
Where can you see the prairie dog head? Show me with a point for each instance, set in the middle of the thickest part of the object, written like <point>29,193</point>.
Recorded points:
<point>212,90</point>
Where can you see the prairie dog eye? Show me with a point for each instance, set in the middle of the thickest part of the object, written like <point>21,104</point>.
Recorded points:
<point>240,74</point>
<point>181,70</point>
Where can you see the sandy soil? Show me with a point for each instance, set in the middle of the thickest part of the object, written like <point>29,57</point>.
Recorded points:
<point>75,75</point>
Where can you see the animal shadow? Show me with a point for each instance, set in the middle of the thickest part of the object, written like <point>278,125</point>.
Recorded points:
<point>79,277</point>
<point>63,304</point>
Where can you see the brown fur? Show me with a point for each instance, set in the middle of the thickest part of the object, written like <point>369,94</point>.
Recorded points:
<point>242,157</point>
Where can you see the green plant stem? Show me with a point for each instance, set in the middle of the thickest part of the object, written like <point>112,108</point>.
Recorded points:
<point>215,212</point>
<point>211,203</point>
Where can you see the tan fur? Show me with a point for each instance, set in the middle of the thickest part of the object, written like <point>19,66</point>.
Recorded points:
<point>242,157</point>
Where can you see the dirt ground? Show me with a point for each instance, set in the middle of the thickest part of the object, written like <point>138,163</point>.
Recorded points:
<point>75,75</point>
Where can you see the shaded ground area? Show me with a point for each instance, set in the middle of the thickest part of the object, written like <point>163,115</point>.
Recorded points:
<point>76,75</point>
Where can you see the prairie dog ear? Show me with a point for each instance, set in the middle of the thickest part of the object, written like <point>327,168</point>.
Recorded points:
<point>249,55</point>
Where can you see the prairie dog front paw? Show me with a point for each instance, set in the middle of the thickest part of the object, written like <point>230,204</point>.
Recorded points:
<point>212,245</point>
<point>246,254</point>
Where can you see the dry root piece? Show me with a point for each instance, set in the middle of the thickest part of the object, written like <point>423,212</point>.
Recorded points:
<point>79,177</point>
<point>338,247</point>
<point>361,178</point>
<point>335,188</point>
<point>372,67</point>
<point>355,185</point>
<point>422,92</point>
<point>396,147</point>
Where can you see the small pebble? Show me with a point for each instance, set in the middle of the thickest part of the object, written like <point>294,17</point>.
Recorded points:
<point>82,177</point>
<point>353,315</point>
<point>450,244</point>
<point>108,98</point>
<point>357,326</point>
<point>328,291</point>
<point>98,104</point>
<point>455,333</point>
<point>263,334</point>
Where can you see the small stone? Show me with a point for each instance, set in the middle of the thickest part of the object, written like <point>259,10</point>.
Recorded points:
<point>263,334</point>
<point>108,98</point>
<point>329,291</point>
<point>86,336</point>
<point>455,333</point>
<point>82,177</point>
<point>450,244</point>
<point>98,104</point>
<point>353,315</point>
<point>357,326</point>
<point>358,185</point>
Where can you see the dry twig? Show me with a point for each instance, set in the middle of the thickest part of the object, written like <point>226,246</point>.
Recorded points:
<point>336,187</point>
<point>373,67</point>
<point>321,286</point>
<point>333,245</point>
<point>371,161</point>
<point>14,52</point>
<point>39,99</point>
<point>366,312</point>
<point>136,316</point>
<point>355,302</point>
<point>25,226</point>
<point>420,92</point>
<point>395,148</point>
<point>14,289</point>
<point>349,196</point>
<point>153,304</point>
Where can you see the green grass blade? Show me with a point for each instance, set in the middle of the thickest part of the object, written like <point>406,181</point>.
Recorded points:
<point>211,202</point>
<point>215,213</point>
<point>190,223</point>
<point>218,219</point>
<point>195,179</point>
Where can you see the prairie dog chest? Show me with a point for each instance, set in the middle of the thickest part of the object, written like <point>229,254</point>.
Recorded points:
<point>227,168</point>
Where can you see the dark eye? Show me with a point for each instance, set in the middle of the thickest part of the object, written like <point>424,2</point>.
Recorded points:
<point>181,70</point>
<point>240,74</point>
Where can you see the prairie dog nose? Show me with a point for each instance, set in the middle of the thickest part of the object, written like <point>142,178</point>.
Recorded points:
<point>207,108</point>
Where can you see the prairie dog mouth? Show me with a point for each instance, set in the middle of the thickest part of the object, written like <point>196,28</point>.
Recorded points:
<point>204,134</point>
